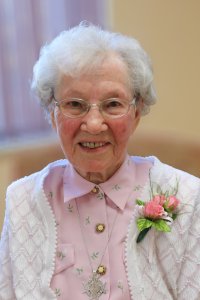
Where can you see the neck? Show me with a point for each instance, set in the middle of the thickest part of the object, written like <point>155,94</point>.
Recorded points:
<point>98,177</point>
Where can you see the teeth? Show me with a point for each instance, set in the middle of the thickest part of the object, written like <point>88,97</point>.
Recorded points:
<point>92,144</point>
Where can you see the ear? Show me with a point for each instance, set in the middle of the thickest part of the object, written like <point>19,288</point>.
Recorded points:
<point>139,104</point>
<point>137,118</point>
<point>137,114</point>
<point>52,117</point>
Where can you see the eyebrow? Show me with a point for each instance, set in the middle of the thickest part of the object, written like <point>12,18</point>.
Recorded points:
<point>110,94</point>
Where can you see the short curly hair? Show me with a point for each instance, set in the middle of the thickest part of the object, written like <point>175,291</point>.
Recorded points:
<point>82,48</point>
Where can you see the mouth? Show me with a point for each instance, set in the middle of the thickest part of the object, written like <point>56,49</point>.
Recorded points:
<point>93,145</point>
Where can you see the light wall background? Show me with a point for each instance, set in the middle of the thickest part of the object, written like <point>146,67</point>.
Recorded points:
<point>170,32</point>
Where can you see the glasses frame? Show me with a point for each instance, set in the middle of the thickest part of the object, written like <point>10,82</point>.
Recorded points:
<point>94,105</point>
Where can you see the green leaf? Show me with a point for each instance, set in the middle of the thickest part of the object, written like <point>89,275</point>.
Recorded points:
<point>161,225</point>
<point>174,216</point>
<point>140,202</point>
<point>143,223</point>
<point>167,209</point>
<point>142,234</point>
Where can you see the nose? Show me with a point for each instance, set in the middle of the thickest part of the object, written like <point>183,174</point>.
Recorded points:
<point>93,122</point>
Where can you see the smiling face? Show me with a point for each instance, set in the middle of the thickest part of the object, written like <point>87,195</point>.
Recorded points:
<point>95,146</point>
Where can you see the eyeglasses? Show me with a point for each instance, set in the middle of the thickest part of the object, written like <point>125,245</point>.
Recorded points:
<point>109,108</point>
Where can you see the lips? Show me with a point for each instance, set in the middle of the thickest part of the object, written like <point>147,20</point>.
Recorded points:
<point>92,145</point>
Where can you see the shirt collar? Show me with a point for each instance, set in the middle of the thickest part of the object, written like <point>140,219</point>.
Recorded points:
<point>75,185</point>
<point>118,188</point>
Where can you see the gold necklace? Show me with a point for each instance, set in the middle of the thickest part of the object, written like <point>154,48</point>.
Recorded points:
<point>94,287</point>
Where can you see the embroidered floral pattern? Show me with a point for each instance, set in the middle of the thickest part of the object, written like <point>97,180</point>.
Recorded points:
<point>50,194</point>
<point>95,255</point>
<point>116,187</point>
<point>70,208</point>
<point>137,188</point>
<point>120,286</point>
<point>87,220</point>
<point>100,195</point>
<point>159,212</point>
<point>60,255</point>
<point>79,271</point>
<point>58,292</point>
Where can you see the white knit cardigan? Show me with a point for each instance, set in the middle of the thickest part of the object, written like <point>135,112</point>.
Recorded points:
<point>163,266</point>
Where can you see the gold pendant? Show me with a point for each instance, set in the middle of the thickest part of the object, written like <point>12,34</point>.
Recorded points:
<point>94,288</point>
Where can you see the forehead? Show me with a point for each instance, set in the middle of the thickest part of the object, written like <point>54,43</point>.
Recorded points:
<point>112,74</point>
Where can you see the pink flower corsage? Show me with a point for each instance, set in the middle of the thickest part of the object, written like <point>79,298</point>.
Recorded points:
<point>159,212</point>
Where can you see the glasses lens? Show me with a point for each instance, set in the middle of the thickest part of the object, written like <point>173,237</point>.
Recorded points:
<point>73,107</point>
<point>114,107</point>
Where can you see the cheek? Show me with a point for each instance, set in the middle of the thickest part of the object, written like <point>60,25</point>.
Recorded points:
<point>122,130</point>
<point>66,129</point>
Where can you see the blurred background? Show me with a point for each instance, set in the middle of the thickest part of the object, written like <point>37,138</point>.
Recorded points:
<point>168,30</point>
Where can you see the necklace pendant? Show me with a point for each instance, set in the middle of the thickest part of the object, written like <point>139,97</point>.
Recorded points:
<point>94,288</point>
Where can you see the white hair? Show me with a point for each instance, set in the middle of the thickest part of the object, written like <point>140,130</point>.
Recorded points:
<point>82,48</point>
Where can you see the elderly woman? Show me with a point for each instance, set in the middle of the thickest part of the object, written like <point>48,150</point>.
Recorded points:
<point>99,224</point>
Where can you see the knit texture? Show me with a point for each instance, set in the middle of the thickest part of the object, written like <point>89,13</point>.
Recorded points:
<point>28,243</point>
<point>162,266</point>
<point>167,265</point>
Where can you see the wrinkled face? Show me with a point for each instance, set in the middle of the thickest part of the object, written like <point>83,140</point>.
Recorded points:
<point>92,144</point>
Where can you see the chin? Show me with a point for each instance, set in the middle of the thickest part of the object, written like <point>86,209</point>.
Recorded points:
<point>95,167</point>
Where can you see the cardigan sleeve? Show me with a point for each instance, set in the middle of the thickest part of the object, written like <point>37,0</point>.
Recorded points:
<point>189,278</point>
<point>6,286</point>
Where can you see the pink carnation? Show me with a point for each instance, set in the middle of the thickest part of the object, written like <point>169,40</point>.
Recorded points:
<point>153,209</point>
<point>159,199</point>
<point>172,202</point>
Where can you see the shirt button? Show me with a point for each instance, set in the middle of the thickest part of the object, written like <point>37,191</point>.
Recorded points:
<point>101,270</point>
<point>100,227</point>
<point>95,190</point>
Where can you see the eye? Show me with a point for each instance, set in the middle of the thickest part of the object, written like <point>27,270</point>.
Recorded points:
<point>114,107</point>
<point>73,107</point>
<point>113,103</point>
<point>70,104</point>
<point>73,104</point>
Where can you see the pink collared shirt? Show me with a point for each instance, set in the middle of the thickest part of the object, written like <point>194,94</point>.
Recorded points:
<point>78,209</point>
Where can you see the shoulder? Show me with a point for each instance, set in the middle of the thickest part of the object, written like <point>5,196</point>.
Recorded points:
<point>29,185</point>
<point>167,177</point>
<point>26,201</point>
<point>162,169</point>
